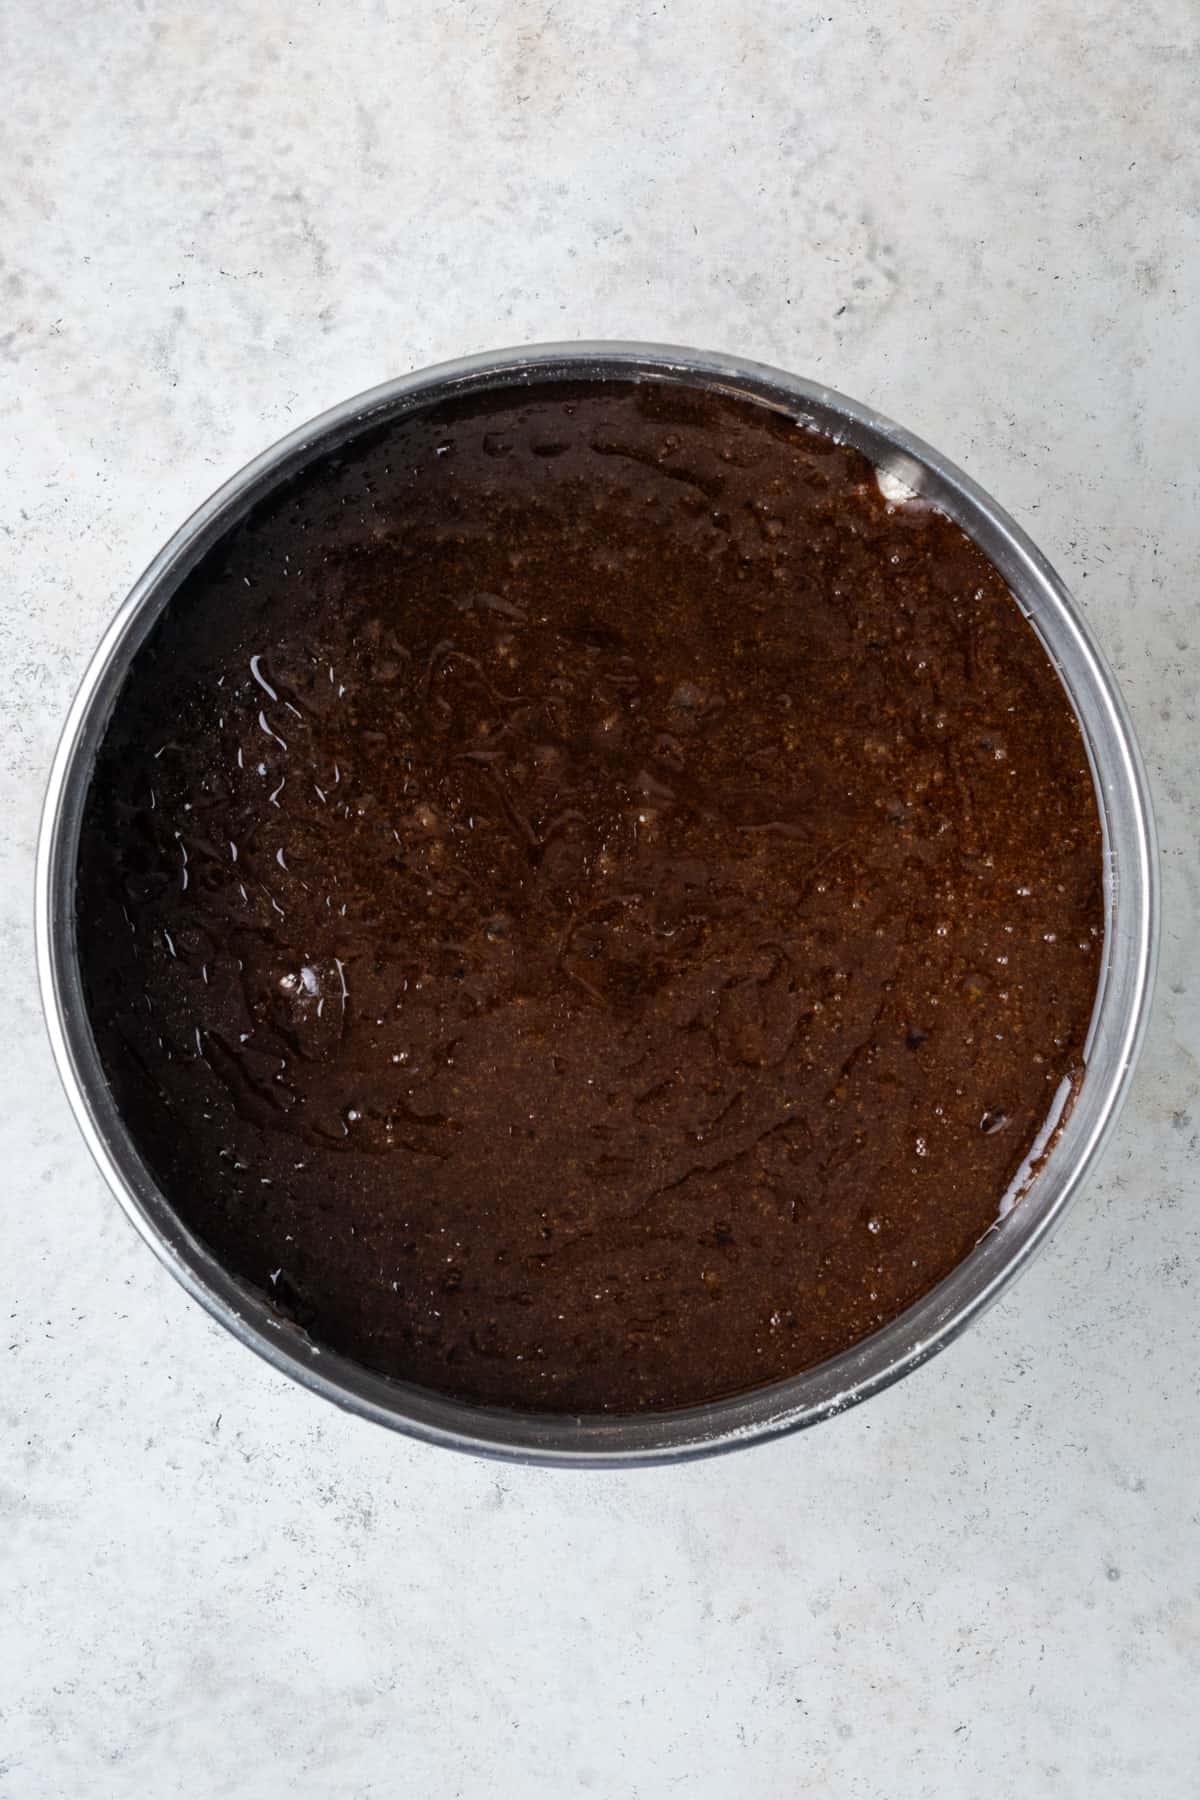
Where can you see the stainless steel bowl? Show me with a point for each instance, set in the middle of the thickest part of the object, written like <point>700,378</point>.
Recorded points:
<point>1118,1022</point>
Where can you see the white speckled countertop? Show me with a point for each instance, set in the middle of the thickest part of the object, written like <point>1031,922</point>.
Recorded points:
<point>983,220</point>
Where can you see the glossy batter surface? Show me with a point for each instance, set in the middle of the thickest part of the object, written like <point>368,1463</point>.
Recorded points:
<point>588,905</point>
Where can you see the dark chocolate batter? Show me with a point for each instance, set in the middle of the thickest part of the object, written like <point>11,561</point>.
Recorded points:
<point>586,903</point>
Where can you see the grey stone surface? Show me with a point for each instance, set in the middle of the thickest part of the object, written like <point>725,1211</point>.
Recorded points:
<point>983,219</point>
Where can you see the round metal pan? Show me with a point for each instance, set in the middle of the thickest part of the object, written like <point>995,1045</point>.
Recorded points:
<point>1118,1022</point>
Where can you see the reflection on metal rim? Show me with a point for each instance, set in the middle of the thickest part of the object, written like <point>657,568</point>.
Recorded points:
<point>1118,1021</point>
